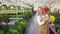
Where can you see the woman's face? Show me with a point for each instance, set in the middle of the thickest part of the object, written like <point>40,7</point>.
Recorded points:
<point>40,10</point>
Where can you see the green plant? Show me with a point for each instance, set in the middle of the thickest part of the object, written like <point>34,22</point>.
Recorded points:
<point>26,15</point>
<point>57,21</point>
<point>6,18</point>
<point>21,24</point>
<point>18,7</point>
<point>12,7</point>
<point>3,7</point>
<point>1,32</point>
<point>1,17</point>
<point>12,31</point>
<point>5,28</point>
<point>20,15</point>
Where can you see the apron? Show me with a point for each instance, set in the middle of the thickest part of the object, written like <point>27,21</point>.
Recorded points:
<point>43,29</point>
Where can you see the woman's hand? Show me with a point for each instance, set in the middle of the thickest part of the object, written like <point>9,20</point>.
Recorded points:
<point>45,19</point>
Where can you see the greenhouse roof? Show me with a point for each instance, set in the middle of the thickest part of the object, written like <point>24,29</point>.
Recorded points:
<point>36,3</point>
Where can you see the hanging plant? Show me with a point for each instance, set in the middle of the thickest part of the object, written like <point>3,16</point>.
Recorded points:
<point>12,7</point>
<point>18,7</point>
<point>3,7</point>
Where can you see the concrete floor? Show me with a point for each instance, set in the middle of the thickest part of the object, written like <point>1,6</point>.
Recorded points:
<point>33,26</point>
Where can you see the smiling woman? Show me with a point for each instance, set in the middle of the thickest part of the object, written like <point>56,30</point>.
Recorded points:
<point>42,20</point>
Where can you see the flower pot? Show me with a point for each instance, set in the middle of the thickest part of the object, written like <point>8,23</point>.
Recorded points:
<point>7,20</point>
<point>0,26</point>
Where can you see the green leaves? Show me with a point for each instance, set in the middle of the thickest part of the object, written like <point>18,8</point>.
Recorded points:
<point>27,15</point>
<point>13,31</point>
<point>57,17</point>
<point>4,17</point>
<point>12,7</point>
<point>1,32</point>
<point>1,18</point>
<point>56,14</point>
<point>24,23</point>
<point>21,24</point>
<point>3,7</point>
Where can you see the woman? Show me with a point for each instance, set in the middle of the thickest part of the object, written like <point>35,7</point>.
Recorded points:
<point>42,20</point>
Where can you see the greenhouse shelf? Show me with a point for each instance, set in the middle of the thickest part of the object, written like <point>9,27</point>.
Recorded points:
<point>9,23</point>
<point>10,11</point>
<point>15,18</point>
<point>12,21</point>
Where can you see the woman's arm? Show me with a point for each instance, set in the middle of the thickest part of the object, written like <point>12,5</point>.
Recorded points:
<point>46,21</point>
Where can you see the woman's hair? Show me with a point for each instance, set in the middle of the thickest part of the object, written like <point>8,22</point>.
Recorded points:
<point>41,8</point>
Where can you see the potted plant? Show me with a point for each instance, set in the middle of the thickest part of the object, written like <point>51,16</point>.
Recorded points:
<point>1,19</point>
<point>6,19</point>
<point>57,21</point>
